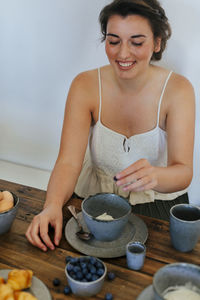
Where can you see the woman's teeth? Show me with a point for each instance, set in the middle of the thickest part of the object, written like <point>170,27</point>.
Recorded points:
<point>127,64</point>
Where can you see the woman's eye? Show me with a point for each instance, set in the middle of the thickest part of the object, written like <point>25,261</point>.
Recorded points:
<point>113,43</point>
<point>137,44</point>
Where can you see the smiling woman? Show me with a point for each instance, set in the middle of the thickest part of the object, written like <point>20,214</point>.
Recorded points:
<point>131,121</point>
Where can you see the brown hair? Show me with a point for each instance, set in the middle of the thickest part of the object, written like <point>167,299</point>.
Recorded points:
<point>150,9</point>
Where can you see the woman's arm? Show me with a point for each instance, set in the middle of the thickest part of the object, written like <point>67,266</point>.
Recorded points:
<point>180,122</point>
<point>74,139</point>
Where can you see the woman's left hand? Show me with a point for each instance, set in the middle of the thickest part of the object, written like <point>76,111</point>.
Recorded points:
<point>140,176</point>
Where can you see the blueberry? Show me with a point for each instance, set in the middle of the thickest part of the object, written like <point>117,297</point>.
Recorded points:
<point>108,296</point>
<point>93,270</point>
<point>76,269</point>
<point>84,271</point>
<point>84,280</point>
<point>72,274</point>
<point>56,282</point>
<point>67,259</point>
<point>67,290</point>
<point>111,276</point>
<point>94,277</point>
<point>74,260</point>
<point>79,275</point>
<point>70,267</point>
<point>99,265</point>
<point>89,266</point>
<point>88,276</point>
<point>93,260</point>
<point>100,271</point>
<point>83,265</point>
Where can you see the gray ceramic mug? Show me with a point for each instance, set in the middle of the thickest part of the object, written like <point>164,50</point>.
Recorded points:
<point>184,226</point>
<point>135,255</point>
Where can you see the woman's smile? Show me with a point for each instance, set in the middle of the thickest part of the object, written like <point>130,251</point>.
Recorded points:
<point>126,65</point>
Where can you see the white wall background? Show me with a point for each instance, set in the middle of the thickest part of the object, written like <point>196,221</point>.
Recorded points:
<point>44,44</point>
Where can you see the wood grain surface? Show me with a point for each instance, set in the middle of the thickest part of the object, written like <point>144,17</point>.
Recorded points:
<point>16,252</point>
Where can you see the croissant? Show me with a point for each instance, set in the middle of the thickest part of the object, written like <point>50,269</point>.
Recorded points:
<point>20,279</point>
<point>1,195</point>
<point>6,292</point>
<point>23,296</point>
<point>2,280</point>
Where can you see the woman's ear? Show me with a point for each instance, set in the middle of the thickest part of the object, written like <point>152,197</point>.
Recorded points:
<point>157,44</point>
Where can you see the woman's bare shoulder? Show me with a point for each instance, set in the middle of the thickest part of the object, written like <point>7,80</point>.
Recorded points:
<point>180,85</point>
<point>84,86</point>
<point>179,91</point>
<point>85,79</point>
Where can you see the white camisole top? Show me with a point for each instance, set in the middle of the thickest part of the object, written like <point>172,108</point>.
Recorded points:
<point>109,152</point>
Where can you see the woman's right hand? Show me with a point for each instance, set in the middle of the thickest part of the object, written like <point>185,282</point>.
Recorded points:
<point>37,232</point>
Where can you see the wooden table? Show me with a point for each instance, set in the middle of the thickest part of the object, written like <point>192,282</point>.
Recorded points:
<point>16,252</point>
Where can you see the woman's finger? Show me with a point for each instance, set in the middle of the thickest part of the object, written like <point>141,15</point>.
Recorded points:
<point>58,233</point>
<point>44,228</point>
<point>141,163</point>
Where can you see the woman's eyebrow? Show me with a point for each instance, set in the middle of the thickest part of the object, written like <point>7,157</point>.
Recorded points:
<point>133,36</point>
<point>137,36</point>
<point>112,34</point>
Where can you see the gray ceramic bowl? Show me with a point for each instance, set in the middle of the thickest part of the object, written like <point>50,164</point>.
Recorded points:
<point>177,274</point>
<point>7,218</point>
<point>113,205</point>
<point>86,289</point>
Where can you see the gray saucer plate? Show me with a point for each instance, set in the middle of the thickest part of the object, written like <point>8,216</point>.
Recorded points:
<point>38,288</point>
<point>135,230</point>
<point>147,294</point>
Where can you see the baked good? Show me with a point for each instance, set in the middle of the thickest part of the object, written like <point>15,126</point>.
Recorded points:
<point>6,292</point>
<point>6,201</point>
<point>1,195</point>
<point>2,280</point>
<point>20,279</point>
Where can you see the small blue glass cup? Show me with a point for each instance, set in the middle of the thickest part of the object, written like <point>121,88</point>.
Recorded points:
<point>135,255</point>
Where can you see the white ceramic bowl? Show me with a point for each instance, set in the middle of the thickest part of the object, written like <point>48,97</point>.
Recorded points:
<point>7,217</point>
<point>115,206</point>
<point>177,274</point>
<point>85,288</point>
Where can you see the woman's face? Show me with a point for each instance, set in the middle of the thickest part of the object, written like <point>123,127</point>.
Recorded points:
<point>129,45</point>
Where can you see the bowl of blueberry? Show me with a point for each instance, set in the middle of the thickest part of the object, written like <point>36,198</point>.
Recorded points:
<point>85,275</point>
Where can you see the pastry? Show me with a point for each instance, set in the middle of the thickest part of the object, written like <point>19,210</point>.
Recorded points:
<point>6,292</point>
<point>20,279</point>
<point>7,195</point>
<point>6,201</point>
<point>2,280</point>
<point>1,196</point>
<point>5,205</point>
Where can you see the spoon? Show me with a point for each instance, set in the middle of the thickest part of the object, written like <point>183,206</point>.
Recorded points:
<point>83,235</point>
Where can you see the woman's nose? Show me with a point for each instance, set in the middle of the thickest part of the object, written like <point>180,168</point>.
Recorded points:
<point>124,52</point>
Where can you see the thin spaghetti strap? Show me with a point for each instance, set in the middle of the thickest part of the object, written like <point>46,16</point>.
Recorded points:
<point>99,77</point>
<point>161,97</point>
